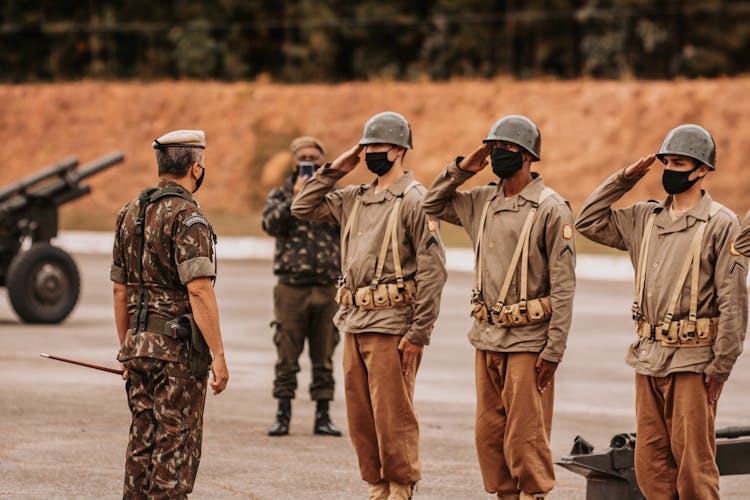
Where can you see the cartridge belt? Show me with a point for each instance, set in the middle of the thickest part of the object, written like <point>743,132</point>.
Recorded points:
<point>383,296</point>
<point>522,313</point>
<point>682,333</point>
<point>163,326</point>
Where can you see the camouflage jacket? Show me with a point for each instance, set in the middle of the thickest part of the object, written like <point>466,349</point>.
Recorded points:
<point>307,253</point>
<point>178,248</point>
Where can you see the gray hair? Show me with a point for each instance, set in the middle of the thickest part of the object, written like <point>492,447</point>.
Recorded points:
<point>176,161</point>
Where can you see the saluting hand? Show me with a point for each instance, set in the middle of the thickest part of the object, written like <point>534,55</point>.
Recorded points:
<point>640,168</point>
<point>348,160</point>
<point>477,160</point>
<point>409,353</point>
<point>713,388</point>
<point>545,373</point>
<point>221,374</point>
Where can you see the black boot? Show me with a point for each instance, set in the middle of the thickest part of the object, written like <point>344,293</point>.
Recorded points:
<point>283,416</point>
<point>323,424</point>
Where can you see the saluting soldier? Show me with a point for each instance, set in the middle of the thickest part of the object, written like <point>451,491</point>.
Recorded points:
<point>163,270</point>
<point>524,282</point>
<point>306,261</point>
<point>690,310</point>
<point>393,272</point>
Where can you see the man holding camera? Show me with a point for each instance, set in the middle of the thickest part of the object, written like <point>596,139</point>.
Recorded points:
<point>306,261</point>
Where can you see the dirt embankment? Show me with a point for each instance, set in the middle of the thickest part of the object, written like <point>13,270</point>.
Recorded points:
<point>589,129</point>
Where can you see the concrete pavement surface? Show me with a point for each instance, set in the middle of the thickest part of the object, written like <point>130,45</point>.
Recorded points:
<point>63,428</point>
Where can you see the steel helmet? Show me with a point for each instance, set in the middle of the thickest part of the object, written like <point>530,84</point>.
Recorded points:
<point>518,130</point>
<point>692,141</point>
<point>387,127</point>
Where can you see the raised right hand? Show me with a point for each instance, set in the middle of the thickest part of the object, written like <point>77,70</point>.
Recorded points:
<point>639,168</point>
<point>221,374</point>
<point>477,160</point>
<point>348,160</point>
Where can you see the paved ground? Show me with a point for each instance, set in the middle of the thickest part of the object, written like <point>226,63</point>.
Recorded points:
<point>63,428</point>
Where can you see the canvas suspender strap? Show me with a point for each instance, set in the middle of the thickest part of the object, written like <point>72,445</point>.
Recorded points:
<point>641,268</point>
<point>693,260</point>
<point>391,236</point>
<point>476,294</point>
<point>348,229</point>
<point>521,247</point>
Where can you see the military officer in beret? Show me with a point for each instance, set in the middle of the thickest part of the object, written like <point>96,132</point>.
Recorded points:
<point>690,310</point>
<point>393,272</point>
<point>163,268</point>
<point>306,261</point>
<point>522,302</point>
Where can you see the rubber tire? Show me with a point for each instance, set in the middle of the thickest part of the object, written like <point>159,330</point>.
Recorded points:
<point>19,284</point>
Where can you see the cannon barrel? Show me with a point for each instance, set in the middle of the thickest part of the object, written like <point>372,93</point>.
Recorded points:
<point>58,169</point>
<point>99,164</point>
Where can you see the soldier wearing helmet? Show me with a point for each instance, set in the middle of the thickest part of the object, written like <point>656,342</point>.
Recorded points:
<point>522,300</point>
<point>690,310</point>
<point>392,274</point>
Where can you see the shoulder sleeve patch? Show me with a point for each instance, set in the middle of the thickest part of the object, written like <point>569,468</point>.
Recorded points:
<point>733,250</point>
<point>431,224</point>
<point>567,231</point>
<point>195,219</point>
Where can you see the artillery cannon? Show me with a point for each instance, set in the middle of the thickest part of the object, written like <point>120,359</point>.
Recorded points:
<point>610,474</point>
<point>42,280</point>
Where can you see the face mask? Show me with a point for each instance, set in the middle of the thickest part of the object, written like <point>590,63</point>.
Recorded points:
<point>505,163</point>
<point>199,181</point>
<point>378,163</point>
<point>675,182</point>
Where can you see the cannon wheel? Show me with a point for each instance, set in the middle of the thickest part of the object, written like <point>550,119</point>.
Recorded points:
<point>43,284</point>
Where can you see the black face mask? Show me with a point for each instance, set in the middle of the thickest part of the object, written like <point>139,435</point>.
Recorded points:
<point>505,163</point>
<point>675,182</point>
<point>199,181</point>
<point>378,163</point>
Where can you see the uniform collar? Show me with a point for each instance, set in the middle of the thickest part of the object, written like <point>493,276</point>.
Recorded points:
<point>700,212</point>
<point>174,185</point>
<point>394,190</point>
<point>530,193</point>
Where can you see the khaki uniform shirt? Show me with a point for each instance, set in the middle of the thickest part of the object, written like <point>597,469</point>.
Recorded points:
<point>178,248</point>
<point>420,249</point>
<point>722,289</point>
<point>551,268</point>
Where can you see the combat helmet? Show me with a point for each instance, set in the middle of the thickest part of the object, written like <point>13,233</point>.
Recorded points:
<point>518,130</point>
<point>692,141</point>
<point>387,127</point>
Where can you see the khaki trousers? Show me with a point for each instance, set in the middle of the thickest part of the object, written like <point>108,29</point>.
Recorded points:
<point>675,446</point>
<point>513,424</point>
<point>380,409</point>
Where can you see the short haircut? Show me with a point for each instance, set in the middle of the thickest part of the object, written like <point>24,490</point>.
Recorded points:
<point>176,160</point>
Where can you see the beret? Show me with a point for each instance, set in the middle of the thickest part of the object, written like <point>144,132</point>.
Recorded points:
<point>181,139</point>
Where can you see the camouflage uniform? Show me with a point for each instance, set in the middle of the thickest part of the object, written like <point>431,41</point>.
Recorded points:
<point>307,264</point>
<point>166,402</point>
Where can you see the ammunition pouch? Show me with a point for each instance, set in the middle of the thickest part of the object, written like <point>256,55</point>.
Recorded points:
<point>520,314</point>
<point>184,329</point>
<point>682,333</point>
<point>383,296</point>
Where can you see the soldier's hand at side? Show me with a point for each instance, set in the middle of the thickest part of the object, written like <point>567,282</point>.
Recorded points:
<point>477,160</point>
<point>348,160</point>
<point>639,168</point>
<point>301,179</point>
<point>124,371</point>
<point>409,353</point>
<point>545,373</point>
<point>713,388</point>
<point>220,373</point>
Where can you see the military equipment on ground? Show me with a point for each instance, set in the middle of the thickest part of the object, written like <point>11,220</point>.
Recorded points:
<point>42,280</point>
<point>83,363</point>
<point>610,474</point>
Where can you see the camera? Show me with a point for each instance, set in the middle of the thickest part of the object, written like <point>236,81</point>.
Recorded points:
<point>306,168</point>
